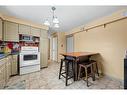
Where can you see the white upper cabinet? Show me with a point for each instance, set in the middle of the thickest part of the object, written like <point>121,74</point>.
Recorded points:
<point>11,31</point>
<point>35,31</point>
<point>1,29</point>
<point>44,33</point>
<point>24,29</point>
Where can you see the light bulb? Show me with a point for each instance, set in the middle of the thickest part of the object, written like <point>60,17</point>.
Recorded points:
<point>47,23</point>
<point>56,25</point>
<point>55,20</point>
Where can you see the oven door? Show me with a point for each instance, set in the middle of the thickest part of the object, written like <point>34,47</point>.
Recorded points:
<point>27,59</point>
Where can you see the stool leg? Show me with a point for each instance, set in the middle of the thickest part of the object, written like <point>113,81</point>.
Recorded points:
<point>61,64</point>
<point>73,70</point>
<point>97,69</point>
<point>86,77</point>
<point>93,75</point>
<point>79,73</point>
<point>66,67</point>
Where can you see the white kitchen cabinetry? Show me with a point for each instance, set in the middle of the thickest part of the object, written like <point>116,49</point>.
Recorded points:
<point>14,64</point>
<point>43,50</point>
<point>1,27</point>
<point>11,31</point>
<point>8,68</point>
<point>44,34</point>
<point>35,31</point>
<point>2,73</point>
<point>24,29</point>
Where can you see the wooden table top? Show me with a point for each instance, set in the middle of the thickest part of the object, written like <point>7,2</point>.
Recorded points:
<point>78,54</point>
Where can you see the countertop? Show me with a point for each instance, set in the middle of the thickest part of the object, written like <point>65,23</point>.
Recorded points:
<point>7,54</point>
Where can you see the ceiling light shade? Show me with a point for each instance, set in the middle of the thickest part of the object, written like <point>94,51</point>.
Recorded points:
<point>47,23</point>
<point>56,25</point>
<point>55,20</point>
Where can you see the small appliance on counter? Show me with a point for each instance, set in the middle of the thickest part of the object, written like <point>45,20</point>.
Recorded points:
<point>16,47</point>
<point>7,49</point>
<point>29,60</point>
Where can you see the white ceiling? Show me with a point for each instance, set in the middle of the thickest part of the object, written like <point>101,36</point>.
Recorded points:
<point>69,16</point>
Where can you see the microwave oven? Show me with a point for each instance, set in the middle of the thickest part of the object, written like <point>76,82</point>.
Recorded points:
<point>26,38</point>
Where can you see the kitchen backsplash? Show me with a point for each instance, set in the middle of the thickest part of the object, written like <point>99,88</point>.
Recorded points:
<point>8,47</point>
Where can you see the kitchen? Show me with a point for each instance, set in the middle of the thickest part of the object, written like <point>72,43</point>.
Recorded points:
<point>30,59</point>
<point>20,42</point>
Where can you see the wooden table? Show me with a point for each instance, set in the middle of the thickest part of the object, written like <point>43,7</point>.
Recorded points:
<point>76,56</point>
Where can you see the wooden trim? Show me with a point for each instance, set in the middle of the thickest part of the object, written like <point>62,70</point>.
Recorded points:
<point>99,25</point>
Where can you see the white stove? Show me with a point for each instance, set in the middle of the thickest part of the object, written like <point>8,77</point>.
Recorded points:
<point>29,60</point>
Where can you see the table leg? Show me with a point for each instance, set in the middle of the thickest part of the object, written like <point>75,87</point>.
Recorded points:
<point>76,69</point>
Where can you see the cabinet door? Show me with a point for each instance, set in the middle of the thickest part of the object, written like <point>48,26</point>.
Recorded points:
<point>14,65</point>
<point>35,31</point>
<point>44,33</point>
<point>1,29</point>
<point>24,29</point>
<point>11,31</point>
<point>43,52</point>
<point>8,67</point>
<point>2,73</point>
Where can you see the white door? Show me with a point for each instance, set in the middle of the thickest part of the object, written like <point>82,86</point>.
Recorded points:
<point>54,49</point>
<point>70,44</point>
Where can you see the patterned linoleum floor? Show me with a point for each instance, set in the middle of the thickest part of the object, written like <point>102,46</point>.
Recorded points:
<point>47,78</point>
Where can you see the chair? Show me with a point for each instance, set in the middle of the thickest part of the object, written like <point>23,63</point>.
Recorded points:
<point>86,66</point>
<point>67,70</point>
<point>96,66</point>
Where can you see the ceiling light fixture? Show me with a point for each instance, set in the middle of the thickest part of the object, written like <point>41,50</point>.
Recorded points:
<point>55,20</point>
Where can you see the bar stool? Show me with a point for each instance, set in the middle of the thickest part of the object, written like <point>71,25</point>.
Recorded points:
<point>86,66</point>
<point>96,66</point>
<point>66,71</point>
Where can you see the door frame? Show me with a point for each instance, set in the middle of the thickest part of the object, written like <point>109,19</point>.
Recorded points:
<point>53,36</point>
<point>67,36</point>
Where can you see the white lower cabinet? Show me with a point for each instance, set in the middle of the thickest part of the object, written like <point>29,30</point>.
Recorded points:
<point>2,73</point>
<point>8,67</point>
<point>14,65</point>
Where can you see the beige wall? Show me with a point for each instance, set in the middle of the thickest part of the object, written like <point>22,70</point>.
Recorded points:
<point>61,44</point>
<point>109,41</point>
<point>115,16</point>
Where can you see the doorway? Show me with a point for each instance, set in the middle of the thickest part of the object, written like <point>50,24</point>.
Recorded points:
<point>70,43</point>
<point>54,48</point>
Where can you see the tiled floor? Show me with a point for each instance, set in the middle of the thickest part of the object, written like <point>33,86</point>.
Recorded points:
<point>47,78</point>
